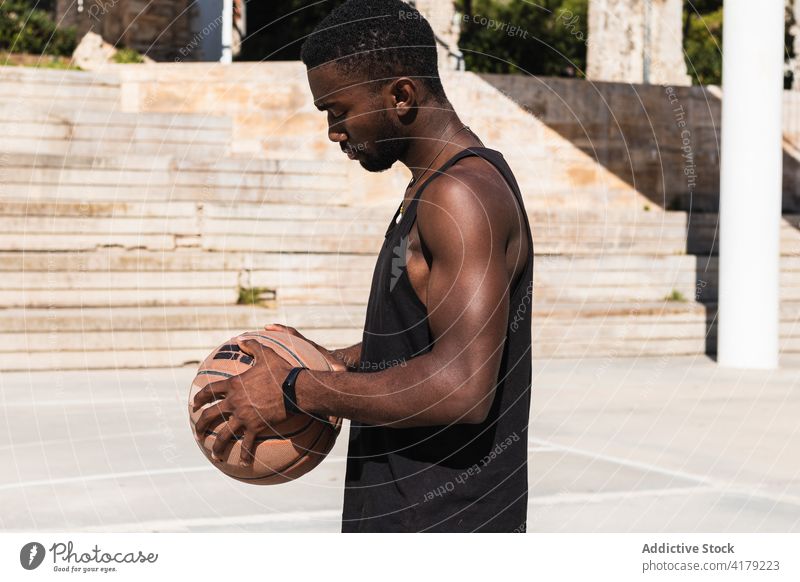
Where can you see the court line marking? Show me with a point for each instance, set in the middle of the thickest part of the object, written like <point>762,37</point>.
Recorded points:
<point>711,485</point>
<point>104,477</point>
<point>100,437</point>
<point>83,402</point>
<point>331,514</point>
<point>750,490</point>
<point>647,467</point>
<point>601,496</point>
<point>282,517</point>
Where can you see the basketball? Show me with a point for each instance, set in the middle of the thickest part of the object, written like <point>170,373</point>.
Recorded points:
<point>290,448</point>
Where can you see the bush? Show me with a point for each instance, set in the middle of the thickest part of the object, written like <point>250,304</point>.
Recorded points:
<point>703,45</point>
<point>548,38</point>
<point>127,55</point>
<point>28,30</point>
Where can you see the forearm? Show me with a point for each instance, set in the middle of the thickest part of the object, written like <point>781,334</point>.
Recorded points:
<point>419,392</point>
<point>350,357</point>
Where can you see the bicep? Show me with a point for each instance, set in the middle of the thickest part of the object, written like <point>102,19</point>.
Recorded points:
<point>468,284</point>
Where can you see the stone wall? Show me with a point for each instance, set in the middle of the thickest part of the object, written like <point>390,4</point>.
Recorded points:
<point>274,117</point>
<point>441,15</point>
<point>622,31</point>
<point>662,140</point>
<point>161,30</point>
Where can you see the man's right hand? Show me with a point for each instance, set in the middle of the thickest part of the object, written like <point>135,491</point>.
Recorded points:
<point>336,364</point>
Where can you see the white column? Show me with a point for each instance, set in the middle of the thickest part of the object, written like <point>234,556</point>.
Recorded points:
<point>750,199</point>
<point>227,32</point>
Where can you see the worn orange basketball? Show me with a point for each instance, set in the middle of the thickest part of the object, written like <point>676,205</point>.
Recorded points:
<point>284,451</point>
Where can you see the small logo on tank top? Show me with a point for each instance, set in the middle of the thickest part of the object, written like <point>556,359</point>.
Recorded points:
<point>398,261</point>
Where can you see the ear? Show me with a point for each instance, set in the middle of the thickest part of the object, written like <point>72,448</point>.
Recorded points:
<point>404,96</point>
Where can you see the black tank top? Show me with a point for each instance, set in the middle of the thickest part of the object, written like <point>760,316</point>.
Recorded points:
<point>462,477</point>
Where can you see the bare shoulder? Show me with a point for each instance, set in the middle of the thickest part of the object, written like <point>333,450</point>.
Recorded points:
<point>473,195</point>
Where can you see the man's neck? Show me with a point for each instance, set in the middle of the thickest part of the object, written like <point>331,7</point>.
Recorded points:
<point>429,148</point>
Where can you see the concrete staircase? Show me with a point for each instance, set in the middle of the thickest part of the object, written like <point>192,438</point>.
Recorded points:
<point>128,239</point>
<point>274,117</point>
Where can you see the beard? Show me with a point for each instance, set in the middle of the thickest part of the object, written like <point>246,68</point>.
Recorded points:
<point>390,146</point>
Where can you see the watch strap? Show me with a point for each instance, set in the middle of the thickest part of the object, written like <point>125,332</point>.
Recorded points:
<point>289,393</point>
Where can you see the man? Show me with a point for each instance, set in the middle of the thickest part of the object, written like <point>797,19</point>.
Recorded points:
<point>438,391</point>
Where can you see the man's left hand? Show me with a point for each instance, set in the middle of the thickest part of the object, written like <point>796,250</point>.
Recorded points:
<point>250,402</point>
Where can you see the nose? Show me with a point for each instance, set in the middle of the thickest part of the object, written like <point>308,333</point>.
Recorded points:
<point>335,132</point>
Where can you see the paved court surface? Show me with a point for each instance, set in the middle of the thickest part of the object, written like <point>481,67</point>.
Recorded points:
<point>657,444</point>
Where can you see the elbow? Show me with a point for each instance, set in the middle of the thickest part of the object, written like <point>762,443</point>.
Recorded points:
<point>475,408</point>
<point>477,415</point>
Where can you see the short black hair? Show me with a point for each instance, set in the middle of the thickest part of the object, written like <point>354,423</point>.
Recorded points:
<point>376,39</point>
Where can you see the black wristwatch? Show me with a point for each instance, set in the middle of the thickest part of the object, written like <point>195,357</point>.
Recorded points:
<point>289,395</point>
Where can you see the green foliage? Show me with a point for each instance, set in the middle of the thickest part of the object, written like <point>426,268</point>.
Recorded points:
<point>27,30</point>
<point>788,43</point>
<point>702,41</point>
<point>36,61</point>
<point>545,38</point>
<point>127,55</point>
<point>255,295</point>
<point>676,296</point>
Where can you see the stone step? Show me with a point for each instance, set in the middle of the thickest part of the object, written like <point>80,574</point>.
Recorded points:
<point>57,77</point>
<point>279,237</point>
<point>77,288</point>
<point>352,294</point>
<point>40,225</point>
<point>203,317</point>
<point>214,164</point>
<point>95,147</point>
<point>202,342</point>
<point>40,298</point>
<point>284,223</point>
<point>77,95</point>
<point>60,115</point>
<point>128,337</point>
<point>632,292</point>
<point>159,193</point>
<point>336,244</point>
<point>259,235</point>
<point>95,209</point>
<point>132,281</point>
<point>559,316</point>
<point>30,242</point>
<point>151,180</point>
<point>619,229</point>
<point>296,286</point>
<point>185,259</point>
<point>346,243</point>
<point>64,133</point>
<point>633,349</point>
<point>672,221</point>
<point>315,284</point>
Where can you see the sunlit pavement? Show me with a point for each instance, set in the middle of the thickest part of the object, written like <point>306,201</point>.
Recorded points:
<point>649,444</point>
